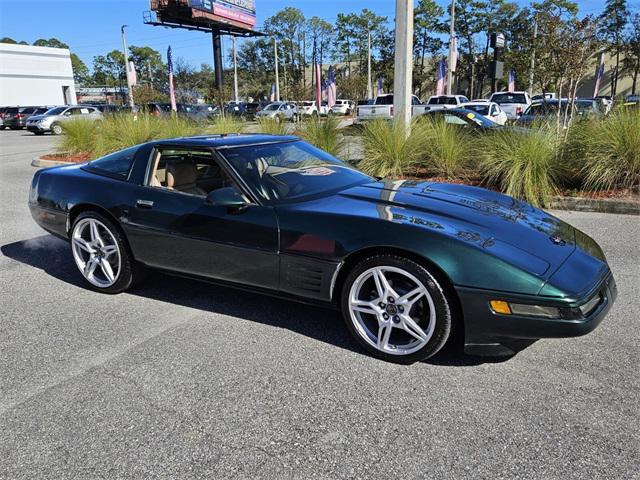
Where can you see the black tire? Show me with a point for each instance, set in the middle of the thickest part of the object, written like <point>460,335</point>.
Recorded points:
<point>56,129</point>
<point>131,272</point>
<point>443,306</point>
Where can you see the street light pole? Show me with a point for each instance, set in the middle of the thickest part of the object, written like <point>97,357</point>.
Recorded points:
<point>369,90</point>
<point>403,68</point>
<point>275,53</point>
<point>451,52</point>
<point>235,70</point>
<point>126,67</point>
<point>533,54</point>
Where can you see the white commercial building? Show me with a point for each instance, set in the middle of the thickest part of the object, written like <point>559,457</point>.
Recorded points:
<point>35,76</point>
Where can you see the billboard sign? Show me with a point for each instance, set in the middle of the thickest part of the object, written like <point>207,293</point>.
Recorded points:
<point>239,11</point>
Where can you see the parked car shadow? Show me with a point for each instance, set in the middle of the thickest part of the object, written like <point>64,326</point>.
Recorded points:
<point>53,256</point>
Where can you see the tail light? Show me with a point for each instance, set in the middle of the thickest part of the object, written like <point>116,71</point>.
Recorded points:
<point>392,111</point>
<point>518,111</point>
<point>20,115</point>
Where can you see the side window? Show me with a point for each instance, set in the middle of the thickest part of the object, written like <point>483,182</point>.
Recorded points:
<point>115,164</point>
<point>193,172</point>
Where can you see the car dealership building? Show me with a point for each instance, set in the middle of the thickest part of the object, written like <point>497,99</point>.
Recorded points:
<point>35,76</point>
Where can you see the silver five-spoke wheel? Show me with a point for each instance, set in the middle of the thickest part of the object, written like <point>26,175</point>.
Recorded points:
<point>96,252</point>
<point>392,310</point>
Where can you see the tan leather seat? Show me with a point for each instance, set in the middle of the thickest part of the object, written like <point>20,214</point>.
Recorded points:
<point>182,176</point>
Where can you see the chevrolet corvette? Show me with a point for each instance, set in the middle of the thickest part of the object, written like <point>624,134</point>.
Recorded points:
<point>406,262</point>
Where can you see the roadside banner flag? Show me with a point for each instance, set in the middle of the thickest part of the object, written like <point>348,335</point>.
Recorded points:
<point>318,87</point>
<point>441,78</point>
<point>272,95</point>
<point>172,93</point>
<point>134,74</point>
<point>599,74</point>
<point>324,89</point>
<point>331,88</point>
<point>380,90</point>
<point>512,81</point>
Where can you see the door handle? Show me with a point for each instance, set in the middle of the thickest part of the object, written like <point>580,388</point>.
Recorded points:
<point>144,203</point>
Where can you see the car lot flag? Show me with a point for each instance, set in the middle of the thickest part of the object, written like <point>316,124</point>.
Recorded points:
<point>599,74</point>
<point>272,96</point>
<point>172,93</point>
<point>512,81</point>
<point>380,90</point>
<point>324,89</point>
<point>331,88</point>
<point>441,78</point>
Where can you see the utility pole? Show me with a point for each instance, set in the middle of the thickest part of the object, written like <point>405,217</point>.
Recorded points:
<point>275,54</point>
<point>533,54</point>
<point>235,70</point>
<point>403,65</point>
<point>216,41</point>
<point>451,40</point>
<point>369,90</point>
<point>126,66</point>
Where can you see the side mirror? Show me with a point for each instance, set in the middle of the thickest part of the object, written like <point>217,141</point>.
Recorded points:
<point>227,197</point>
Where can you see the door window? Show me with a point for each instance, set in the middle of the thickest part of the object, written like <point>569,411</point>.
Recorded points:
<point>192,172</point>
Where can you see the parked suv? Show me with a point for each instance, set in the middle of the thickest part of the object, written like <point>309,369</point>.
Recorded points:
<point>343,107</point>
<point>279,111</point>
<point>51,120</point>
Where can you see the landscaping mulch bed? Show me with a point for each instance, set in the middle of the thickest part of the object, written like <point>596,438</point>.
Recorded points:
<point>63,157</point>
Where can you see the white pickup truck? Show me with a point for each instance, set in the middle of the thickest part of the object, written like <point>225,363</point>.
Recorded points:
<point>382,109</point>
<point>442,102</point>
<point>513,103</point>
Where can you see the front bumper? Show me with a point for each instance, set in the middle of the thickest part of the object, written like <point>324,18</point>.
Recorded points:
<point>34,127</point>
<point>489,333</point>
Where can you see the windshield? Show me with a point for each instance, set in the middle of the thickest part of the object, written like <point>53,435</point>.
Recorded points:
<point>273,106</point>
<point>481,109</point>
<point>286,171</point>
<point>55,111</point>
<point>502,98</point>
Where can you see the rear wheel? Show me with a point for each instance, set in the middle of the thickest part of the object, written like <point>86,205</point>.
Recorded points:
<point>396,309</point>
<point>101,253</point>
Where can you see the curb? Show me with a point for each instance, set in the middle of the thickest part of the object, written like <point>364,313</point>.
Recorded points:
<point>582,204</point>
<point>42,163</point>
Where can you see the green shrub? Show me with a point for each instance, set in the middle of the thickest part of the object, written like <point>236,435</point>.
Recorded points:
<point>272,126</point>
<point>324,134</point>
<point>78,136</point>
<point>523,164</point>
<point>611,152</point>
<point>388,151</point>
<point>448,148</point>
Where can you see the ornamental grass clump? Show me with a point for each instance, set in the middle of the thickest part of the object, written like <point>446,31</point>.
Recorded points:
<point>388,151</point>
<point>448,150</point>
<point>78,136</point>
<point>522,164</point>
<point>324,134</point>
<point>611,152</point>
<point>225,125</point>
<point>272,126</point>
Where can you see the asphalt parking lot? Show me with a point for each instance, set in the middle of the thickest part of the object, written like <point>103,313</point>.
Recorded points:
<point>185,380</point>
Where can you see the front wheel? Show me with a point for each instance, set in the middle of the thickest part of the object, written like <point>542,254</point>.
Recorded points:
<point>396,309</point>
<point>56,129</point>
<point>101,253</point>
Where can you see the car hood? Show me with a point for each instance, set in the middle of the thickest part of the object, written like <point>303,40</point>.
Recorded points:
<point>37,118</point>
<point>508,228</point>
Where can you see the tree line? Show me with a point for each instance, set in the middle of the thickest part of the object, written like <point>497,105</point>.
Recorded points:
<point>566,47</point>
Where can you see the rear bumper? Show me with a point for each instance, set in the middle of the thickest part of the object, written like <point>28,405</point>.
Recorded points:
<point>52,220</point>
<point>490,333</point>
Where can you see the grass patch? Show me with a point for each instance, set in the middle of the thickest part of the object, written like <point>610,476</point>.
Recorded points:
<point>78,136</point>
<point>226,124</point>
